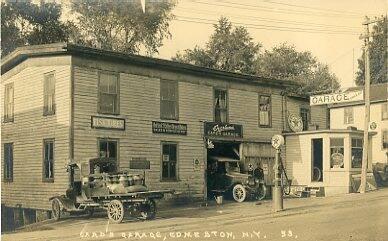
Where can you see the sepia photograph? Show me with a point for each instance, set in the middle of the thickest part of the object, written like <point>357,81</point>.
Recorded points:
<point>175,120</point>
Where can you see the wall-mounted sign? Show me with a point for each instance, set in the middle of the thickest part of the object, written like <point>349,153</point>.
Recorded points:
<point>295,123</point>
<point>348,96</point>
<point>139,163</point>
<point>169,128</point>
<point>100,122</point>
<point>372,126</point>
<point>223,130</point>
<point>277,141</point>
<point>337,160</point>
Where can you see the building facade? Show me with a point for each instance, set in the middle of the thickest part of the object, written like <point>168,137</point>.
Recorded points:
<point>352,114</point>
<point>64,102</point>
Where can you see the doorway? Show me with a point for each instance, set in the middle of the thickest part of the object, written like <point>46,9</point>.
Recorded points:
<point>317,160</point>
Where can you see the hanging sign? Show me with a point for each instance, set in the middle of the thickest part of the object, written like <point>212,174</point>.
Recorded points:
<point>223,130</point>
<point>277,141</point>
<point>295,122</point>
<point>348,96</point>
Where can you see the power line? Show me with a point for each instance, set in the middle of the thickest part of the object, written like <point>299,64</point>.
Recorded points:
<point>276,10</point>
<point>203,12</point>
<point>266,27</point>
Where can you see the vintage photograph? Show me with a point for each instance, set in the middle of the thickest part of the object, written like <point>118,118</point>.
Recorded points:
<point>198,120</point>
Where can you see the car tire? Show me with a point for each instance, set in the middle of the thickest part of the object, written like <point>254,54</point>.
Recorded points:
<point>239,193</point>
<point>261,192</point>
<point>56,210</point>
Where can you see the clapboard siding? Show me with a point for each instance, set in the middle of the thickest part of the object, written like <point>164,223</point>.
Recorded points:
<point>139,105</point>
<point>29,129</point>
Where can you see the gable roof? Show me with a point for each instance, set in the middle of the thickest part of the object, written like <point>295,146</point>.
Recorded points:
<point>22,53</point>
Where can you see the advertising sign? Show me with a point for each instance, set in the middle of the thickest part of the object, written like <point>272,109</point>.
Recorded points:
<point>169,128</point>
<point>349,96</point>
<point>223,130</point>
<point>100,122</point>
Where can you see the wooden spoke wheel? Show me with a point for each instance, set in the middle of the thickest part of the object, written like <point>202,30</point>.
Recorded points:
<point>56,209</point>
<point>148,210</point>
<point>261,192</point>
<point>239,193</point>
<point>115,211</point>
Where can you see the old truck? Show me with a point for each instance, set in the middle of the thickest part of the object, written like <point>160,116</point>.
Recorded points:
<point>119,193</point>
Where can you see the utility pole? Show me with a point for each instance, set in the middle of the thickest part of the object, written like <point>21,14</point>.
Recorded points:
<point>364,166</point>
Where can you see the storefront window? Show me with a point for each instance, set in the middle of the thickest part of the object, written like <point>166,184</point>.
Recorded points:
<point>48,160</point>
<point>220,106</point>
<point>336,152</point>
<point>385,139</point>
<point>169,160</point>
<point>356,153</point>
<point>108,151</point>
<point>264,111</point>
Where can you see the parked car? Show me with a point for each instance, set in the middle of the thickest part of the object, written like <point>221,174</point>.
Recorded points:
<point>226,176</point>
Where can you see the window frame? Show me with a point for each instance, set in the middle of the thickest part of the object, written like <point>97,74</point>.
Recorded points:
<point>117,109</point>
<point>9,117</point>
<point>7,178</point>
<point>346,119</point>
<point>308,111</point>
<point>343,147</point>
<point>46,112</point>
<point>269,111</point>
<point>164,179</point>
<point>384,109</point>
<point>99,139</point>
<point>176,100</point>
<point>356,147</point>
<point>384,131</point>
<point>44,178</point>
<point>226,109</point>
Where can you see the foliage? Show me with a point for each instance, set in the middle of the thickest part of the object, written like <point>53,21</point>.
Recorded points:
<point>377,55</point>
<point>227,49</point>
<point>122,25</point>
<point>26,23</point>
<point>285,62</point>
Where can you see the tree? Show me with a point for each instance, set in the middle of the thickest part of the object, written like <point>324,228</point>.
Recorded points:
<point>122,25</point>
<point>377,55</point>
<point>230,49</point>
<point>26,23</point>
<point>285,62</point>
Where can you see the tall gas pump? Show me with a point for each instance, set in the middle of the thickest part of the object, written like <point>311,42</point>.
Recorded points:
<point>277,192</point>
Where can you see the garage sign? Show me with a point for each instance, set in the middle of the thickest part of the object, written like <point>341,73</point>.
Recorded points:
<point>344,97</point>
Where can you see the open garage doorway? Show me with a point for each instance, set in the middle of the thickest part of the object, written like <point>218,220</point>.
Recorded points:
<point>317,160</point>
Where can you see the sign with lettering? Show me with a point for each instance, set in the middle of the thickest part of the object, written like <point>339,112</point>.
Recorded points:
<point>169,128</point>
<point>100,122</point>
<point>139,163</point>
<point>223,130</point>
<point>348,96</point>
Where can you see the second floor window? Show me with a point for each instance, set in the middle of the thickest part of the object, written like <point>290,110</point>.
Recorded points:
<point>168,100</point>
<point>48,160</point>
<point>348,115</point>
<point>108,90</point>
<point>264,110</point>
<point>305,115</point>
<point>8,102</point>
<point>384,111</point>
<point>220,106</point>
<point>49,94</point>
<point>8,161</point>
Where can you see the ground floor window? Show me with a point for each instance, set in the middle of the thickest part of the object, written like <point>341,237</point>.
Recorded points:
<point>356,152</point>
<point>169,161</point>
<point>8,161</point>
<point>108,152</point>
<point>336,152</point>
<point>385,139</point>
<point>48,160</point>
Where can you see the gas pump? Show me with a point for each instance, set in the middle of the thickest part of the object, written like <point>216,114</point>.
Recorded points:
<point>277,193</point>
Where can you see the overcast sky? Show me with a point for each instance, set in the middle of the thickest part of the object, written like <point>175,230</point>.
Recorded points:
<point>330,29</point>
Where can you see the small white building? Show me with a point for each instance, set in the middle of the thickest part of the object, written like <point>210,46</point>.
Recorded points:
<point>352,114</point>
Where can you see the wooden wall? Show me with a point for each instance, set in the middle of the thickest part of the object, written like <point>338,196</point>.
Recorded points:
<point>29,129</point>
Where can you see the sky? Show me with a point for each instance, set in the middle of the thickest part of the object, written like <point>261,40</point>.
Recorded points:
<point>329,29</point>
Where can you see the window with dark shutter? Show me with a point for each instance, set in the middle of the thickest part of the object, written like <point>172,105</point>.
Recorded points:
<point>108,89</point>
<point>264,110</point>
<point>220,106</point>
<point>48,160</point>
<point>49,94</point>
<point>8,162</point>
<point>168,100</point>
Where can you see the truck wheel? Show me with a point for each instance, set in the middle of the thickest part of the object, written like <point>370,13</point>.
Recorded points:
<point>115,211</point>
<point>239,193</point>
<point>261,192</point>
<point>148,210</point>
<point>56,209</point>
